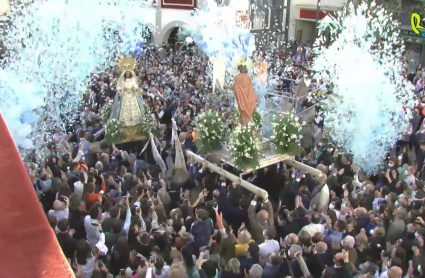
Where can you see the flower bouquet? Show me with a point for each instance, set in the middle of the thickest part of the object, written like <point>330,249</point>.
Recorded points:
<point>286,134</point>
<point>210,131</point>
<point>244,147</point>
<point>114,131</point>
<point>105,113</point>
<point>150,123</point>
<point>258,120</point>
<point>256,117</point>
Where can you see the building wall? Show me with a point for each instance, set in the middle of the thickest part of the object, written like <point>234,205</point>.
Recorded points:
<point>304,10</point>
<point>167,19</point>
<point>304,30</point>
<point>313,3</point>
<point>149,16</point>
<point>414,43</point>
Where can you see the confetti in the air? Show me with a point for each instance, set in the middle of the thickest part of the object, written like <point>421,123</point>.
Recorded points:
<point>52,49</point>
<point>366,113</point>
<point>216,31</point>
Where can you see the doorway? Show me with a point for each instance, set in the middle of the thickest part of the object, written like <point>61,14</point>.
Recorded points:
<point>173,37</point>
<point>305,30</point>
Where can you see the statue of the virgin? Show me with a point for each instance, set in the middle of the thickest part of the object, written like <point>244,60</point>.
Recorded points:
<point>128,102</point>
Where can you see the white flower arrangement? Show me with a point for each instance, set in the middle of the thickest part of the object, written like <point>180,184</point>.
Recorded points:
<point>244,147</point>
<point>114,131</point>
<point>258,119</point>
<point>286,133</point>
<point>149,122</point>
<point>210,131</point>
<point>105,112</point>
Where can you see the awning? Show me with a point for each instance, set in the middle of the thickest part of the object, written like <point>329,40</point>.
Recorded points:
<point>308,12</point>
<point>322,8</point>
<point>178,4</point>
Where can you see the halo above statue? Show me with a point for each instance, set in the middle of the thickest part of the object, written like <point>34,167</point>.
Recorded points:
<point>127,63</point>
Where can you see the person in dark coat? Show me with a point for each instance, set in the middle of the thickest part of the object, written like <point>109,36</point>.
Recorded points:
<point>67,243</point>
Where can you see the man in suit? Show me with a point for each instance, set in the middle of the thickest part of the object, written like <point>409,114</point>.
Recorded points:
<point>397,227</point>
<point>116,231</point>
<point>168,113</point>
<point>163,149</point>
<point>185,123</point>
<point>260,221</point>
<point>65,239</point>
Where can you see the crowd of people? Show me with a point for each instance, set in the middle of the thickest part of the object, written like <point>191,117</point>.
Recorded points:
<point>115,215</point>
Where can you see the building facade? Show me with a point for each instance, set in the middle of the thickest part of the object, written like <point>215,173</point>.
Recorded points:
<point>302,23</point>
<point>414,43</point>
<point>167,16</point>
<point>269,22</point>
<point>275,21</point>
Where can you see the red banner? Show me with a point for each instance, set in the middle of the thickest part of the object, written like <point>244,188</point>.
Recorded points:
<point>310,14</point>
<point>179,4</point>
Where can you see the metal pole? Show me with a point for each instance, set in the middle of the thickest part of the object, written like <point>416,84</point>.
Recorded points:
<point>288,15</point>
<point>317,17</point>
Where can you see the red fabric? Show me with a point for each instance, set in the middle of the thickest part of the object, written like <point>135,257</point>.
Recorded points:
<point>93,198</point>
<point>28,246</point>
<point>219,224</point>
<point>311,14</point>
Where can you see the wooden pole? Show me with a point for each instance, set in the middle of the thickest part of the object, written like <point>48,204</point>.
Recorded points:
<point>306,168</point>
<point>249,186</point>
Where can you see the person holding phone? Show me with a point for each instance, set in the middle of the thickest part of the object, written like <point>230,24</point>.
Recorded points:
<point>100,269</point>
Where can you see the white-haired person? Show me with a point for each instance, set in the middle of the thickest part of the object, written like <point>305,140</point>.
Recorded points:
<point>60,209</point>
<point>256,271</point>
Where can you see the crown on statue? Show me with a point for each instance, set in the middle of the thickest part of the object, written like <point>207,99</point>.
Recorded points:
<point>127,63</point>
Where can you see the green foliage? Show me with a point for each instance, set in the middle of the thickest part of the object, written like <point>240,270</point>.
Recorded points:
<point>286,134</point>
<point>114,131</point>
<point>105,113</point>
<point>210,131</point>
<point>258,120</point>
<point>149,122</point>
<point>244,147</point>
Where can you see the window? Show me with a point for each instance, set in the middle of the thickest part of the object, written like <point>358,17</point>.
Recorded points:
<point>277,19</point>
<point>263,3</point>
<point>259,21</point>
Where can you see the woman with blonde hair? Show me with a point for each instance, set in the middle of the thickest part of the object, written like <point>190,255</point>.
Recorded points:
<point>232,269</point>
<point>177,271</point>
